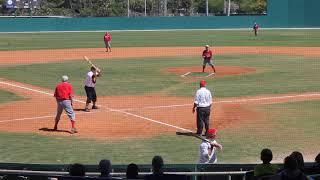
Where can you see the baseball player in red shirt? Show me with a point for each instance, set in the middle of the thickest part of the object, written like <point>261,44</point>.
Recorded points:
<point>107,40</point>
<point>207,59</point>
<point>63,94</point>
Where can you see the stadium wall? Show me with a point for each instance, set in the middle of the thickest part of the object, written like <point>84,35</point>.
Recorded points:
<point>281,14</point>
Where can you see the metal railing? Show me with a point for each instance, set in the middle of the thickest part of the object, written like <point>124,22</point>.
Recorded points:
<point>57,174</point>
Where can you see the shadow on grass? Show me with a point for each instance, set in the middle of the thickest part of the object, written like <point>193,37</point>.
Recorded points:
<point>53,130</point>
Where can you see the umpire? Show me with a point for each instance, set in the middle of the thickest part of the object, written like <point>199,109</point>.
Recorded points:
<point>202,102</point>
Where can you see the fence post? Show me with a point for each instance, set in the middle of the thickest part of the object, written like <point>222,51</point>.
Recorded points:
<point>195,170</point>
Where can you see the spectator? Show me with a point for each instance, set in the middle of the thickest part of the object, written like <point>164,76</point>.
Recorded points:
<point>315,169</point>
<point>105,168</point>
<point>132,171</point>
<point>157,165</point>
<point>290,171</point>
<point>77,170</point>
<point>299,158</point>
<point>317,161</point>
<point>266,168</point>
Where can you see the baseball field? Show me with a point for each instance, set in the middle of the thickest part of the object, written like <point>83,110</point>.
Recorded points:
<point>266,95</point>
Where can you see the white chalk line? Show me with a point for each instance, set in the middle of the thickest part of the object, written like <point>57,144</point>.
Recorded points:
<point>34,90</point>
<point>43,117</point>
<point>210,74</point>
<point>227,101</point>
<point>183,75</point>
<point>159,122</point>
<point>110,109</point>
<point>157,107</point>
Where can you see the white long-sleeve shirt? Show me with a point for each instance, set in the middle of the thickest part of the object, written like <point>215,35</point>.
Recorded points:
<point>203,97</point>
<point>204,157</point>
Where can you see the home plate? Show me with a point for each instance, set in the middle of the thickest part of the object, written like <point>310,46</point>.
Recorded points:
<point>183,75</point>
<point>210,74</point>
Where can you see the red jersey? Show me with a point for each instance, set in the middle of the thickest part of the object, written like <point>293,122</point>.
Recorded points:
<point>63,91</point>
<point>207,55</point>
<point>107,37</point>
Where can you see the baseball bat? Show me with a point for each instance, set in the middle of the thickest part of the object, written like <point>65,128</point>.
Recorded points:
<point>88,60</point>
<point>193,135</point>
<point>200,137</point>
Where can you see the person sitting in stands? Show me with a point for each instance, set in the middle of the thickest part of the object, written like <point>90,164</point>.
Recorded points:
<point>317,161</point>
<point>105,168</point>
<point>77,170</point>
<point>132,171</point>
<point>299,158</point>
<point>290,171</point>
<point>266,168</point>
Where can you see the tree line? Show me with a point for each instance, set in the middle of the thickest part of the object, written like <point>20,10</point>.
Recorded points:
<point>105,8</point>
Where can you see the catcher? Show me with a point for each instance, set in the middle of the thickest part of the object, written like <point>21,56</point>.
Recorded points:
<point>89,87</point>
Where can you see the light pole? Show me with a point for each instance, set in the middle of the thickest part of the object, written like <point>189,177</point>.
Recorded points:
<point>128,8</point>
<point>165,8</point>
<point>145,7</point>
<point>229,6</point>
<point>207,7</point>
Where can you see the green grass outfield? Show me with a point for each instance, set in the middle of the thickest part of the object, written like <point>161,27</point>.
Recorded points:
<point>6,96</point>
<point>18,41</point>
<point>274,75</point>
<point>284,134</point>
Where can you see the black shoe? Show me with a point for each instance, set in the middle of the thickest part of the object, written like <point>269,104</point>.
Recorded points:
<point>95,107</point>
<point>86,110</point>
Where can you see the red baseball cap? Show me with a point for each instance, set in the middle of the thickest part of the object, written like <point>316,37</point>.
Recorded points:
<point>203,83</point>
<point>212,131</point>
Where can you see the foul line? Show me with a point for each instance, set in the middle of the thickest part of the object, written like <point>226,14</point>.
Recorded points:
<point>210,74</point>
<point>159,122</point>
<point>43,117</point>
<point>227,101</point>
<point>183,75</point>
<point>110,109</point>
<point>34,90</point>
